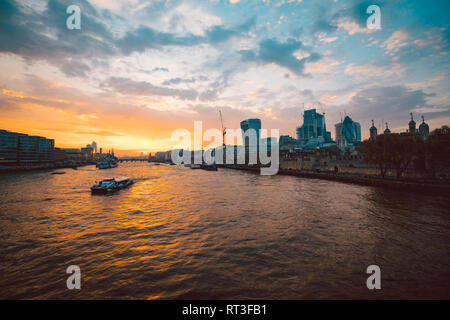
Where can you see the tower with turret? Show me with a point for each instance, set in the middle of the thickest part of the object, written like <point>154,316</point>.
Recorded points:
<point>373,131</point>
<point>424,129</point>
<point>412,125</point>
<point>387,131</point>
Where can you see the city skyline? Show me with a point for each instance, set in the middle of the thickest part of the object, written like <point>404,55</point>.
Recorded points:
<point>138,70</point>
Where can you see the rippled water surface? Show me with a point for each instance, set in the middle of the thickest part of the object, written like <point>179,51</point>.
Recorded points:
<point>187,234</point>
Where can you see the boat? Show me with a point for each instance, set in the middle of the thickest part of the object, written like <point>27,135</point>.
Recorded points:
<point>109,162</point>
<point>107,165</point>
<point>196,166</point>
<point>111,185</point>
<point>58,172</point>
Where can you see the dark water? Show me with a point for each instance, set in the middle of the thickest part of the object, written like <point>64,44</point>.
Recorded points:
<point>182,233</point>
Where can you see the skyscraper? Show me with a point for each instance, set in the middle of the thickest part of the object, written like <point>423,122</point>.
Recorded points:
<point>314,130</point>
<point>251,138</point>
<point>348,133</point>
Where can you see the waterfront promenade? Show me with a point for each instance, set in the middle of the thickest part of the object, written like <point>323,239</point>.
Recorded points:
<point>421,185</point>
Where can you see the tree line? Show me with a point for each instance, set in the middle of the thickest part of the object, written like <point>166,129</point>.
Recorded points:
<point>400,151</point>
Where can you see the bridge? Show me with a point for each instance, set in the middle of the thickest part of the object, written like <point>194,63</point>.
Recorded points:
<point>133,159</point>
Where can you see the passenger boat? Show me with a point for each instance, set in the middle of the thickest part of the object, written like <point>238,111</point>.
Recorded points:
<point>111,185</point>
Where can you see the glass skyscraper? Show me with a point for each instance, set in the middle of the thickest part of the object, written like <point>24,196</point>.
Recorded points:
<point>251,138</point>
<point>348,133</point>
<point>314,130</point>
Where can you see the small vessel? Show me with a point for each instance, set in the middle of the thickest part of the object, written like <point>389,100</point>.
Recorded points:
<point>111,185</point>
<point>58,172</point>
<point>196,166</point>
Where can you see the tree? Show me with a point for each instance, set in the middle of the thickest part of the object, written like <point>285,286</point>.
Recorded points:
<point>437,147</point>
<point>402,149</point>
<point>374,152</point>
<point>390,151</point>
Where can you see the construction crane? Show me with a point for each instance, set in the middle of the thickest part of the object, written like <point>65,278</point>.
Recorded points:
<point>224,130</point>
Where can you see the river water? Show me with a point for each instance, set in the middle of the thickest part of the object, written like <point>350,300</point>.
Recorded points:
<point>180,233</point>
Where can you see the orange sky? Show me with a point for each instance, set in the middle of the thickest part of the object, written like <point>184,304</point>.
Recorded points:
<point>135,72</point>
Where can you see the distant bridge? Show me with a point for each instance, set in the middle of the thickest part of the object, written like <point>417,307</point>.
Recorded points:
<point>132,160</point>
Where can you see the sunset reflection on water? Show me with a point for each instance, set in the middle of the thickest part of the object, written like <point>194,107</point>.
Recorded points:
<point>182,233</point>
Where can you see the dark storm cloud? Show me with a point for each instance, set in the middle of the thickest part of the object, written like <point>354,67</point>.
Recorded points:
<point>145,37</point>
<point>281,53</point>
<point>357,11</point>
<point>393,104</point>
<point>43,35</point>
<point>437,114</point>
<point>326,21</point>
<point>322,19</point>
<point>377,100</point>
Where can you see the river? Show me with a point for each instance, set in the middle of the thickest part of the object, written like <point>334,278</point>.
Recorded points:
<point>179,233</point>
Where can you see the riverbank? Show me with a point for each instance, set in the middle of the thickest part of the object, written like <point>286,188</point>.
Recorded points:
<point>19,169</point>
<point>427,186</point>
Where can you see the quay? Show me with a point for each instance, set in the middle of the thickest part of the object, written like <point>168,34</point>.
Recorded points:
<point>423,185</point>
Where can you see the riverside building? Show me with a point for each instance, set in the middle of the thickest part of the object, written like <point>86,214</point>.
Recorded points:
<point>22,150</point>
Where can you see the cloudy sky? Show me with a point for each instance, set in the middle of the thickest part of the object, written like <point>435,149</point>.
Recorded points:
<point>137,70</point>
